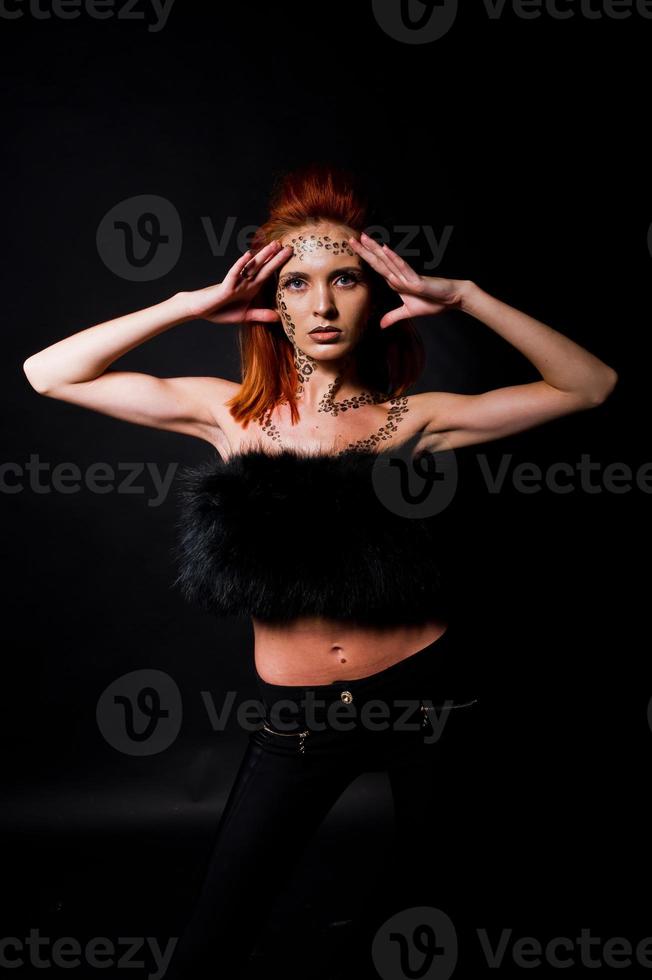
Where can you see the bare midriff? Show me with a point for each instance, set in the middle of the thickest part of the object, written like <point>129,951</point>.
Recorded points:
<point>318,651</point>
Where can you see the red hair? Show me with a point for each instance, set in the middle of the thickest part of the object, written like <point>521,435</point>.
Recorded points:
<point>387,360</point>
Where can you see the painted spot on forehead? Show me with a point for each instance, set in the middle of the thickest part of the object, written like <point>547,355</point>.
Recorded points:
<point>304,244</point>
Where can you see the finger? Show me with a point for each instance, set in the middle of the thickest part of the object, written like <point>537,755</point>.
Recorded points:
<point>394,316</point>
<point>240,264</point>
<point>258,271</point>
<point>383,265</point>
<point>262,315</point>
<point>266,252</point>
<point>375,260</point>
<point>400,266</point>
<point>273,263</point>
<point>392,259</point>
<point>252,261</point>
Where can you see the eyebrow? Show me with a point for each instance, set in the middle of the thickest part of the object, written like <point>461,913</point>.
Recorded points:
<point>306,275</point>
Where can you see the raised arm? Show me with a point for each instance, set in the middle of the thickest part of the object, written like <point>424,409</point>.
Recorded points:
<point>573,379</point>
<point>76,369</point>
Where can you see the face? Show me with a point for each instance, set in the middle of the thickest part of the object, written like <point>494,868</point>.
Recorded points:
<point>323,284</point>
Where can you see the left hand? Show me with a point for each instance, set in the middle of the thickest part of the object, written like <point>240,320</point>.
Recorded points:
<point>421,295</point>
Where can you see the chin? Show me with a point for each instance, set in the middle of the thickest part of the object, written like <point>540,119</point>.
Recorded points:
<point>327,352</point>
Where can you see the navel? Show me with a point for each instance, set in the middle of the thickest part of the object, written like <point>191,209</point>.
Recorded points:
<point>337,650</point>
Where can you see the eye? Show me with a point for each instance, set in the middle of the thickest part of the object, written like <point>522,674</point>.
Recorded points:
<point>345,275</point>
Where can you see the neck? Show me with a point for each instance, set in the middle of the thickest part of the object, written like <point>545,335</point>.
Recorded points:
<point>327,385</point>
<point>322,383</point>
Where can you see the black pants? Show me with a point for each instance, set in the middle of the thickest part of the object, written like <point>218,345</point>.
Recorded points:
<point>313,742</point>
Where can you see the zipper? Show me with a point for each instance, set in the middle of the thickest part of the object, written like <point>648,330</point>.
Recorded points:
<point>425,719</point>
<point>425,709</point>
<point>300,735</point>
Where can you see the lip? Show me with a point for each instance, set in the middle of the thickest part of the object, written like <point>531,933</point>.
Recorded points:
<point>325,331</point>
<point>325,336</point>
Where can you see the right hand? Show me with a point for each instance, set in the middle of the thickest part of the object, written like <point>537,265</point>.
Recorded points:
<point>229,301</point>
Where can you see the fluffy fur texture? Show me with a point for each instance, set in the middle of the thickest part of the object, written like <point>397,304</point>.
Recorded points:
<point>298,533</point>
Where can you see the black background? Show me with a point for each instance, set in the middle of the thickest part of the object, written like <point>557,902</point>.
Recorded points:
<point>527,136</point>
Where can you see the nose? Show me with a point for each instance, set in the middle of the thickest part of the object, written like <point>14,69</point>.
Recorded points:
<point>325,307</point>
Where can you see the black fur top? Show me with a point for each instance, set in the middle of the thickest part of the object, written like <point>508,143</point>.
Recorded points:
<point>292,533</point>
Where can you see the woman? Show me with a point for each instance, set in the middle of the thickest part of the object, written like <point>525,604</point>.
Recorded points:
<point>348,610</point>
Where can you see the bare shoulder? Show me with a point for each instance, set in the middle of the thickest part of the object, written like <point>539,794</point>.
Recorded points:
<point>433,414</point>
<point>427,406</point>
